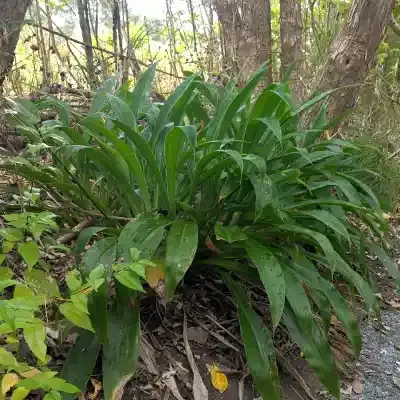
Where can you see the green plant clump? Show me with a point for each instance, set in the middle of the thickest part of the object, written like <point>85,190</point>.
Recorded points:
<point>235,170</point>
<point>21,315</point>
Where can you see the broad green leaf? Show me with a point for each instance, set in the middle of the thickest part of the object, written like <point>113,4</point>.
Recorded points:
<point>43,284</point>
<point>35,337</point>
<point>228,233</point>
<point>23,291</point>
<point>148,154</point>
<point>6,278</point>
<point>102,252</point>
<point>7,246</point>
<point>85,236</point>
<point>52,395</point>
<point>181,248</point>
<point>97,306</point>
<point>128,155</point>
<point>141,90</point>
<point>121,352</point>
<point>298,300</point>
<point>271,276</point>
<point>80,362</point>
<point>364,187</point>
<point>29,251</point>
<point>74,280</point>
<point>258,344</point>
<point>317,351</point>
<point>39,381</point>
<point>11,234</point>
<point>264,189</point>
<point>80,301</point>
<point>172,148</point>
<point>5,273</point>
<point>144,234</point>
<point>174,106</point>
<point>129,279</point>
<point>223,119</point>
<point>334,262</point>
<point>330,221</point>
<point>7,359</point>
<point>76,316</point>
<point>273,125</point>
<point>20,393</point>
<point>309,103</point>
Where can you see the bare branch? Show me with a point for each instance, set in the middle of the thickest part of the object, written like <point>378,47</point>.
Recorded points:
<point>394,25</point>
<point>68,38</point>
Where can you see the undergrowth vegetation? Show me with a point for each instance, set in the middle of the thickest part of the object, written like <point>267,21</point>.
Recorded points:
<point>215,178</point>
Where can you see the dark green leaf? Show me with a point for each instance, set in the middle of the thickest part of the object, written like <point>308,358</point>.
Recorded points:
<point>121,352</point>
<point>230,234</point>
<point>78,366</point>
<point>271,275</point>
<point>258,345</point>
<point>181,248</point>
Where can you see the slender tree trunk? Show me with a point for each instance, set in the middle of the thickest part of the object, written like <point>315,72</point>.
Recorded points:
<point>12,14</point>
<point>291,42</point>
<point>352,52</point>
<point>247,34</point>
<point>86,38</point>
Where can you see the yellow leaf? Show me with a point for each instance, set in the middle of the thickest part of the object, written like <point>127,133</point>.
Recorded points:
<point>9,380</point>
<point>218,379</point>
<point>30,373</point>
<point>155,277</point>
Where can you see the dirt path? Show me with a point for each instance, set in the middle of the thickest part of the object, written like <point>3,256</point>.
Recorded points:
<point>379,364</point>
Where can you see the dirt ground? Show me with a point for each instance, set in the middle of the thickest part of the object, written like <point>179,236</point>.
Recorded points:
<point>214,337</point>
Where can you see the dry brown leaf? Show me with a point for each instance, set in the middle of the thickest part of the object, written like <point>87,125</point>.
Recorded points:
<point>358,387</point>
<point>396,381</point>
<point>97,386</point>
<point>30,373</point>
<point>199,389</point>
<point>395,302</point>
<point>169,380</point>
<point>147,354</point>
<point>197,334</point>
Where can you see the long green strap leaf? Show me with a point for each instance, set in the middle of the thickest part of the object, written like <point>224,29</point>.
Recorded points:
<point>271,276</point>
<point>258,344</point>
<point>182,244</point>
<point>79,365</point>
<point>121,353</point>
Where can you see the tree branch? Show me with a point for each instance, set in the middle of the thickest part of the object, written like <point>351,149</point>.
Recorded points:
<point>68,38</point>
<point>394,25</point>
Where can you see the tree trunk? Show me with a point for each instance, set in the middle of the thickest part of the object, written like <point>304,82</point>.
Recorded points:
<point>291,42</point>
<point>352,52</point>
<point>84,23</point>
<point>247,35</point>
<point>12,14</point>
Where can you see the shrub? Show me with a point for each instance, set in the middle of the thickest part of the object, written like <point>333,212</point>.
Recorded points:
<point>231,183</point>
<point>20,308</point>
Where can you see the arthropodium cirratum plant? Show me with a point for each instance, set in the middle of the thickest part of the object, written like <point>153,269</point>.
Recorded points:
<point>211,165</point>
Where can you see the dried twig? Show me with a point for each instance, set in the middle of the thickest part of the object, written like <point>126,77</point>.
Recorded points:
<point>112,53</point>
<point>295,374</point>
<point>75,231</point>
